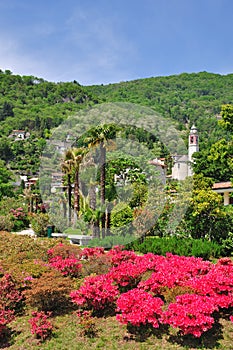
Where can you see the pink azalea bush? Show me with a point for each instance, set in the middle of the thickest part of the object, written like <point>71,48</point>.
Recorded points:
<point>136,285</point>
<point>191,314</point>
<point>10,297</point>
<point>65,261</point>
<point>40,325</point>
<point>91,252</point>
<point>138,307</point>
<point>67,266</point>
<point>6,316</point>
<point>97,292</point>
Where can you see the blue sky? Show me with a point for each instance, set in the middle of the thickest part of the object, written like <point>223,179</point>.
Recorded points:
<point>107,41</point>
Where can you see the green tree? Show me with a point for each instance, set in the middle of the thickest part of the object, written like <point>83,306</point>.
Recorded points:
<point>73,159</point>
<point>67,168</point>
<point>206,216</point>
<point>6,178</point>
<point>215,162</point>
<point>101,136</point>
<point>227,117</point>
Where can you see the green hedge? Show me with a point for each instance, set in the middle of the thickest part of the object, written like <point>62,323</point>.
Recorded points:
<point>179,246</point>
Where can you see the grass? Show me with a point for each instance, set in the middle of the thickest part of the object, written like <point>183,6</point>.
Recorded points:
<point>111,335</point>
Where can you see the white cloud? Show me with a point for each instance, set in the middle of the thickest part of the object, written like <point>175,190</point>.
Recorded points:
<point>88,47</point>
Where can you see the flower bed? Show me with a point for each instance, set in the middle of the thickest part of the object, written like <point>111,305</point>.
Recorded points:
<point>138,289</point>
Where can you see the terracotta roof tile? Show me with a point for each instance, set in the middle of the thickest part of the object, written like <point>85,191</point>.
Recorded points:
<point>226,184</point>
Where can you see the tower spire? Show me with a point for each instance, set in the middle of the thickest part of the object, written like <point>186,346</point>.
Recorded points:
<point>193,147</point>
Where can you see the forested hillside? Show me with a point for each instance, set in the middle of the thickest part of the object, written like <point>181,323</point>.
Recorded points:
<point>31,103</point>
<point>187,98</point>
<point>36,106</point>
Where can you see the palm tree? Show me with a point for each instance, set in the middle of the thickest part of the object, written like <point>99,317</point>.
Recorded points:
<point>74,157</point>
<point>100,136</point>
<point>67,168</point>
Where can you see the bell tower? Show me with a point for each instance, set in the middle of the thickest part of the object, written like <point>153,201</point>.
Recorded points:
<point>193,147</point>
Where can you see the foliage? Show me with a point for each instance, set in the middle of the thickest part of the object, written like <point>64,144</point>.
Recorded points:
<point>50,292</point>
<point>6,176</point>
<point>206,216</point>
<point>215,161</point>
<point>111,241</point>
<point>122,215</point>
<point>227,117</point>
<point>180,246</point>
<point>14,249</point>
<point>39,222</point>
<point>227,244</point>
<point>6,223</point>
<point>87,323</point>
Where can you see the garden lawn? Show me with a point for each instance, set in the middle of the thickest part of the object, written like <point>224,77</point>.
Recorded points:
<point>54,295</point>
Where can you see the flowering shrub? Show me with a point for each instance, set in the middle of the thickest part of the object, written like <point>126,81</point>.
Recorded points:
<point>65,259</point>
<point>67,266</point>
<point>97,292</point>
<point>6,316</point>
<point>118,255</point>
<point>40,325</point>
<point>91,252</point>
<point>20,218</point>
<point>18,213</point>
<point>64,251</point>
<point>138,307</point>
<point>191,313</point>
<point>184,292</point>
<point>10,296</point>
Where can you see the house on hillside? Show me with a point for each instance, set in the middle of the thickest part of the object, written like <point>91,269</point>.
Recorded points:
<point>225,189</point>
<point>19,135</point>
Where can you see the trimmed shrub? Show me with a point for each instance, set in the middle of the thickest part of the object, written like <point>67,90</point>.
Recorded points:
<point>178,246</point>
<point>50,292</point>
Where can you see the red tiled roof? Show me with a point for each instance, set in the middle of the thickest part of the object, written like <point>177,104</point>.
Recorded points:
<point>226,184</point>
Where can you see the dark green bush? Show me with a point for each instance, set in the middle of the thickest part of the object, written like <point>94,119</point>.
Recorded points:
<point>179,246</point>
<point>110,241</point>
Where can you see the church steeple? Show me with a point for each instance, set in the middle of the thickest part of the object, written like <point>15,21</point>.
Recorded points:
<point>193,147</point>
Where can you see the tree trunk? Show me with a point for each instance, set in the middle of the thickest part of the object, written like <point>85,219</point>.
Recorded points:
<point>108,219</point>
<point>102,187</point>
<point>76,193</point>
<point>102,173</point>
<point>92,197</point>
<point>69,188</point>
<point>103,223</point>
